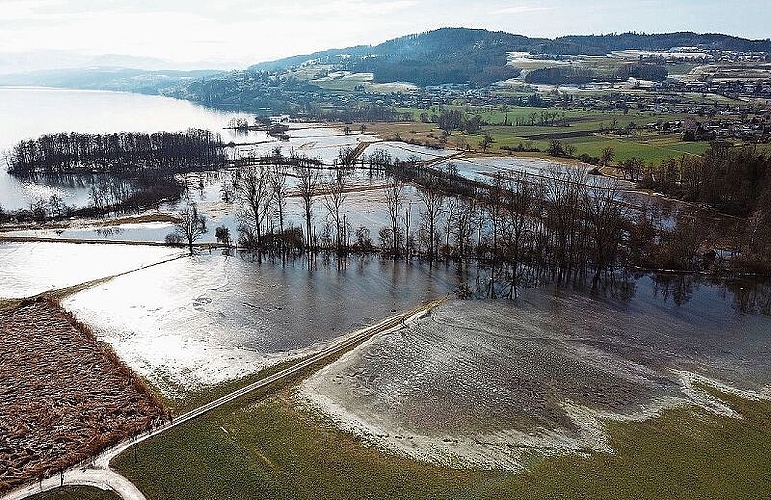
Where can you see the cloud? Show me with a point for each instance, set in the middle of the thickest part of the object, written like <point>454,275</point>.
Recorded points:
<point>325,11</point>
<point>257,30</point>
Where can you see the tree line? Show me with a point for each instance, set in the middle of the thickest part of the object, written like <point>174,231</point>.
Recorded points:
<point>567,75</point>
<point>733,180</point>
<point>562,226</point>
<point>124,172</point>
<point>527,229</point>
<point>117,153</point>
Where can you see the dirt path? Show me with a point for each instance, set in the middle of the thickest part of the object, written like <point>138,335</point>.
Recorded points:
<point>99,474</point>
<point>104,479</point>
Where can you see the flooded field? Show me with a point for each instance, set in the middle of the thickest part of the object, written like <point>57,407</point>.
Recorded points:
<point>32,268</point>
<point>403,151</point>
<point>313,140</point>
<point>210,318</point>
<point>365,205</point>
<point>482,169</point>
<point>475,384</point>
<point>483,384</point>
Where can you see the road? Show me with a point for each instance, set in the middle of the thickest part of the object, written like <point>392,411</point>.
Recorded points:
<point>99,474</point>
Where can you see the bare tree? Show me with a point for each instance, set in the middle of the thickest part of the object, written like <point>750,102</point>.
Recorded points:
<point>308,179</point>
<point>462,220</point>
<point>394,195</point>
<point>606,216</point>
<point>191,225</point>
<point>222,233</point>
<point>278,185</point>
<point>256,196</point>
<point>565,190</point>
<point>606,156</point>
<point>493,207</point>
<point>453,207</point>
<point>432,199</point>
<point>334,198</point>
<point>485,142</point>
<point>520,199</point>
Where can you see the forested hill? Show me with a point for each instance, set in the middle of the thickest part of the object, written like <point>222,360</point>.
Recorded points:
<point>461,55</point>
<point>603,44</point>
<point>447,55</point>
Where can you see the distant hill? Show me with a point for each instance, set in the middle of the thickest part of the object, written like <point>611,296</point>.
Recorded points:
<point>445,56</point>
<point>476,56</point>
<point>603,44</point>
<point>105,78</point>
<point>448,55</point>
<point>331,56</point>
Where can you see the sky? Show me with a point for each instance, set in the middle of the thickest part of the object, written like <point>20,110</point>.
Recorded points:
<point>227,34</point>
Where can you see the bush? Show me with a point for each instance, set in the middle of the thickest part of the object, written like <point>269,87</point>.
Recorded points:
<point>222,233</point>
<point>173,239</point>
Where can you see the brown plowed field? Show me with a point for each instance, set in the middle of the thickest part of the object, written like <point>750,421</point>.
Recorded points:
<point>63,395</point>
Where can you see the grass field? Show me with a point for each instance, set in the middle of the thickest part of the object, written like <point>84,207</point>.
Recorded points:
<point>191,400</point>
<point>265,447</point>
<point>579,119</point>
<point>648,146</point>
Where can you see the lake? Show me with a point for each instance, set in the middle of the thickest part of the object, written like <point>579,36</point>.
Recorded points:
<point>30,112</point>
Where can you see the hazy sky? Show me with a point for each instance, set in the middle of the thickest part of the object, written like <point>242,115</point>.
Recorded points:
<point>241,32</point>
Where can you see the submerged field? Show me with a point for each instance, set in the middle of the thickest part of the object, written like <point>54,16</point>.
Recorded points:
<point>32,268</point>
<point>64,395</point>
<point>487,384</point>
<point>211,318</point>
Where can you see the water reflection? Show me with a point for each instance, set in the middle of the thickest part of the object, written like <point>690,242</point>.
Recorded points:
<point>226,316</point>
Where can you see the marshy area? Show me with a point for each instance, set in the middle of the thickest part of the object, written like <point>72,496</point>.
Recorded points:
<point>589,326</point>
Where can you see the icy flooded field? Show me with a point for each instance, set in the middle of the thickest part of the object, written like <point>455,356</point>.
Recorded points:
<point>482,384</point>
<point>315,141</point>
<point>481,169</point>
<point>403,151</point>
<point>152,232</point>
<point>32,268</point>
<point>365,205</point>
<point>210,318</point>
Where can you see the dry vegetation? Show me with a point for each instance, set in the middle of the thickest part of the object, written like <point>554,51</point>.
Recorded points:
<point>63,395</point>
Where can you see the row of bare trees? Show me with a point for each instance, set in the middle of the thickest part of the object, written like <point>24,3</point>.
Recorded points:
<point>525,227</point>
<point>731,179</point>
<point>564,226</point>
